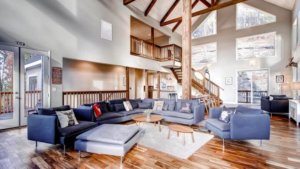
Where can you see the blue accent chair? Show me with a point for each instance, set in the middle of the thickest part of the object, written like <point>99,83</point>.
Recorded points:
<point>245,124</point>
<point>44,126</point>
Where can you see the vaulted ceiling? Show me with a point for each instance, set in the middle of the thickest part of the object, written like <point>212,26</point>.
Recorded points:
<point>168,12</point>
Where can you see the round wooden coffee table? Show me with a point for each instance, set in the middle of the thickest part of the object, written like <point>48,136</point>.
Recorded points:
<point>153,119</point>
<point>181,129</point>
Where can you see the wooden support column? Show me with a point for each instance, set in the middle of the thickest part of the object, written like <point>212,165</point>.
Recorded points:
<point>186,49</point>
<point>127,83</point>
<point>146,84</point>
<point>158,81</point>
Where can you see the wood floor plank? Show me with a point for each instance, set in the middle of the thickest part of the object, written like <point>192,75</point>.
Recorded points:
<point>281,151</point>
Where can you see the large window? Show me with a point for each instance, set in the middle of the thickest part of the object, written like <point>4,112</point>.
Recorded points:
<point>207,27</point>
<point>204,54</point>
<point>256,46</point>
<point>248,16</point>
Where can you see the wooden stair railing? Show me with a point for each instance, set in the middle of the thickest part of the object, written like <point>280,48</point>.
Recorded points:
<point>205,86</point>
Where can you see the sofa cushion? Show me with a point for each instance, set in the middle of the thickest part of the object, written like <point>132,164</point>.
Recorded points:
<point>111,104</point>
<point>175,114</point>
<point>134,103</point>
<point>110,133</point>
<point>149,101</point>
<point>119,107</point>
<point>103,106</point>
<point>52,111</point>
<point>83,125</point>
<point>127,113</point>
<point>192,103</point>
<point>145,105</point>
<point>109,115</point>
<point>169,104</point>
<point>138,110</point>
<point>219,124</point>
<point>158,105</point>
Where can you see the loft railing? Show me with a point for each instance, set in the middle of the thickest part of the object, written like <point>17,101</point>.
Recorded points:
<point>149,50</point>
<point>32,98</point>
<point>77,98</point>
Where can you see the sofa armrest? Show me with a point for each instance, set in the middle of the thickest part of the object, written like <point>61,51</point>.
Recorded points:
<point>279,106</point>
<point>84,113</point>
<point>215,113</point>
<point>42,128</point>
<point>250,126</point>
<point>198,113</point>
<point>265,104</point>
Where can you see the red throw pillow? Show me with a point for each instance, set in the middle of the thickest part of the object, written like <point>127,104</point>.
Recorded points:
<point>97,110</point>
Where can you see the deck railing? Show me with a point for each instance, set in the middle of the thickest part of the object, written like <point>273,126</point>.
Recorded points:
<point>32,98</point>
<point>77,98</point>
<point>149,50</point>
<point>244,96</point>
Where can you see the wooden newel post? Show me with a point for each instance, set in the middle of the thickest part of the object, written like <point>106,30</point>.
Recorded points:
<point>127,83</point>
<point>186,49</point>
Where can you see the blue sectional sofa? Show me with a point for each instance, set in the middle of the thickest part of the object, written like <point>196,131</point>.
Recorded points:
<point>245,124</point>
<point>172,114</point>
<point>43,126</point>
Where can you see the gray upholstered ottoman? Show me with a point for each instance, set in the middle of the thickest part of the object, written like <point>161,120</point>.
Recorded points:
<point>110,139</point>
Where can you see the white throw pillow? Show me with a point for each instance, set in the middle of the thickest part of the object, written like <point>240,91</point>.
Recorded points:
<point>225,116</point>
<point>127,105</point>
<point>66,118</point>
<point>158,105</point>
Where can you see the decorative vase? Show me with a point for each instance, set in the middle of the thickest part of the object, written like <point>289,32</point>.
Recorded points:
<point>148,117</point>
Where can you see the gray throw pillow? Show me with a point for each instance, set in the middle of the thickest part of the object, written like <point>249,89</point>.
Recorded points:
<point>186,108</point>
<point>165,107</point>
<point>66,118</point>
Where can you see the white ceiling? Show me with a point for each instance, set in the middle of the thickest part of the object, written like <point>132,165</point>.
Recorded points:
<point>161,7</point>
<point>287,4</point>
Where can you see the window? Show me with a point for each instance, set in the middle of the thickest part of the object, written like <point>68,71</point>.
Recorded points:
<point>248,16</point>
<point>204,54</point>
<point>207,27</point>
<point>256,46</point>
<point>32,83</point>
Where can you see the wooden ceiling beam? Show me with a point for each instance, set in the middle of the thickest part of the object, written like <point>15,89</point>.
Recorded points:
<point>195,3</point>
<point>212,8</point>
<point>176,26</point>
<point>169,12</point>
<point>152,3</point>
<point>207,4</point>
<point>126,2</point>
<point>179,22</point>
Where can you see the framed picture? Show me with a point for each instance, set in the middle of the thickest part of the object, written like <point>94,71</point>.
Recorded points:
<point>56,75</point>
<point>228,80</point>
<point>106,30</point>
<point>280,79</point>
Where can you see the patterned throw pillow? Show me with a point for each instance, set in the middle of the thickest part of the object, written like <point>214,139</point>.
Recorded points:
<point>66,118</point>
<point>186,108</point>
<point>127,106</point>
<point>225,116</point>
<point>97,110</point>
<point>158,105</point>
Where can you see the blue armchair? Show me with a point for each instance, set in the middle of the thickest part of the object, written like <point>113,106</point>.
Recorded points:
<point>245,124</point>
<point>44,126</point>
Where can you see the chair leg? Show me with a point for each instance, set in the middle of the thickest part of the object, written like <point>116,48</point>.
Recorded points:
<point>260,143</point>
<point>223,147</point>
<point>121,161</point>
<point>79,156</point>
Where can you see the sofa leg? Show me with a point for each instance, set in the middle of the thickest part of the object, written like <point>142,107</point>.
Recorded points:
<point>79,156</point>
<point>36,145</point>
<point>64,149</point>
<point>121,161</point>
<point>223,147</point>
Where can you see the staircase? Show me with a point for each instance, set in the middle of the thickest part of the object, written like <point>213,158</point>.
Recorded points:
<point>204,86</point>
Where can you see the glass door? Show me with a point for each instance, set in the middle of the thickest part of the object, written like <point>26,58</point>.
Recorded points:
<point>9,87</point>
<point>35,82</point>
<point>252,85</point>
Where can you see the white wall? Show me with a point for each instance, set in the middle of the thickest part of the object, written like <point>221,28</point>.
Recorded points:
<point>89,76</point>
<point>71,29</point>
<point>227,65</point>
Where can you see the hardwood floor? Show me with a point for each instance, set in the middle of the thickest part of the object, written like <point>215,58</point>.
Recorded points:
<point>282,151</point>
